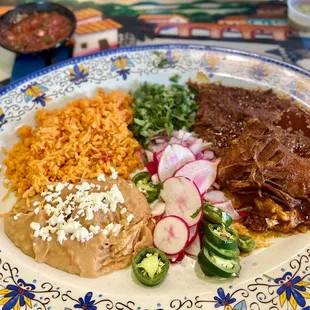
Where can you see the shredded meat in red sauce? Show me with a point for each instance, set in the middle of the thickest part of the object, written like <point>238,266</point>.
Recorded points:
<point>264,144</point>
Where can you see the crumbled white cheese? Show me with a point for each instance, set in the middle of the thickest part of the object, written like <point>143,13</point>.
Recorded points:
<point>35,226</point>
<point>55,195</point>
<point>61,236</point>
<point>49,239</point>
<point>124,210</point>
<point>85,204</point>
<point>130,218</point>
<point>83,187</point>
<point>59,187</point>
<point>70,187</point>
<point>36,210</point>
<point>81,234</point>
<point>50,187</point>
<point>114,174</point>
<point>48,198</point>
<point>101,178</point>
<point>49,209</point>
<point>36,203</point>
<point>116,229</point>
<point>15,217</point>
<point>98,187</point>
<point>107,230</point>
<point>89,214</point>
<point>115,197</point>
<point>94,229</point>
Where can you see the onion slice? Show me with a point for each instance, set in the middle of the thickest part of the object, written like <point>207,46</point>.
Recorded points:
<point>227,207</point>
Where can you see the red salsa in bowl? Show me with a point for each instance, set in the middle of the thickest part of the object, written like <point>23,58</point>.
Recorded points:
<point>26,31</point>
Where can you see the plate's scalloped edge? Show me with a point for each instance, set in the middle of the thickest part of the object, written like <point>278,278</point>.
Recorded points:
<point>290,288</point>
<point>286,288</point>
<point>199,47</point>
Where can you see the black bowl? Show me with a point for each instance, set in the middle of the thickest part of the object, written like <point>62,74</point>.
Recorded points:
<point>30,8</point>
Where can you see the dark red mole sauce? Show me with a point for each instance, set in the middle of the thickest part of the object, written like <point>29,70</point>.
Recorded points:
<point>35,32</point>
<point>263,140</point>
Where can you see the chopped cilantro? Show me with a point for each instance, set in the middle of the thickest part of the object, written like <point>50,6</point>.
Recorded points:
<point>175,78</point>
<point>159,108</point>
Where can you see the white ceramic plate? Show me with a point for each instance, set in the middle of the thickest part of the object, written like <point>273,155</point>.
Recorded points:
<point>277,277</point>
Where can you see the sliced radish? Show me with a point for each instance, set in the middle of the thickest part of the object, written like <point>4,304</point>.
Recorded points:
<point>216,185</point>
<point>158,208</point>
<point>149,156</point>
<point>194,248</point>
<point>209,155</point>
<point>157,156</point>
<point>174,140</point>
<point>171,234</point>
<point>193,232</point>
<point>182,199</point>
<point>173,157</point>
<point>215,196</point>
<point>202,172</point>
<point>151,167</point>
<point>177,258</point>
<point>197,147</point>
<point>157,147</point>
<point>228,208</point>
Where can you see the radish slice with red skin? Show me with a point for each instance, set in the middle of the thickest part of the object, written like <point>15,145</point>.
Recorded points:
<point>197,146</point>
<point>177,258</point>
<point>173,157</point>
<point>157,156</point>
<point>194,248</point>
<point>171,234</point>
<point>158,208</point>
<point>227,207</point>
<point>151,167</point>
<point>193,232</point>
<point>202,172</point>
<point>214,196</point>
<point>182,199</point>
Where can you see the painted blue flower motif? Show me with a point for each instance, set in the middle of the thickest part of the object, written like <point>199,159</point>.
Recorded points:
<point>35,92</point>
<point>17,296</point>
<point>121,65</point>
<point>293,290</point>
<point>2,118</point>
<point>41,100</point>
<point>223,300</point>
<point>299,89</point>
<point>259,70</point>
<point>78,74</point>
<point>210,64</point>
<point>86,303</point>
<point>167,59</point>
